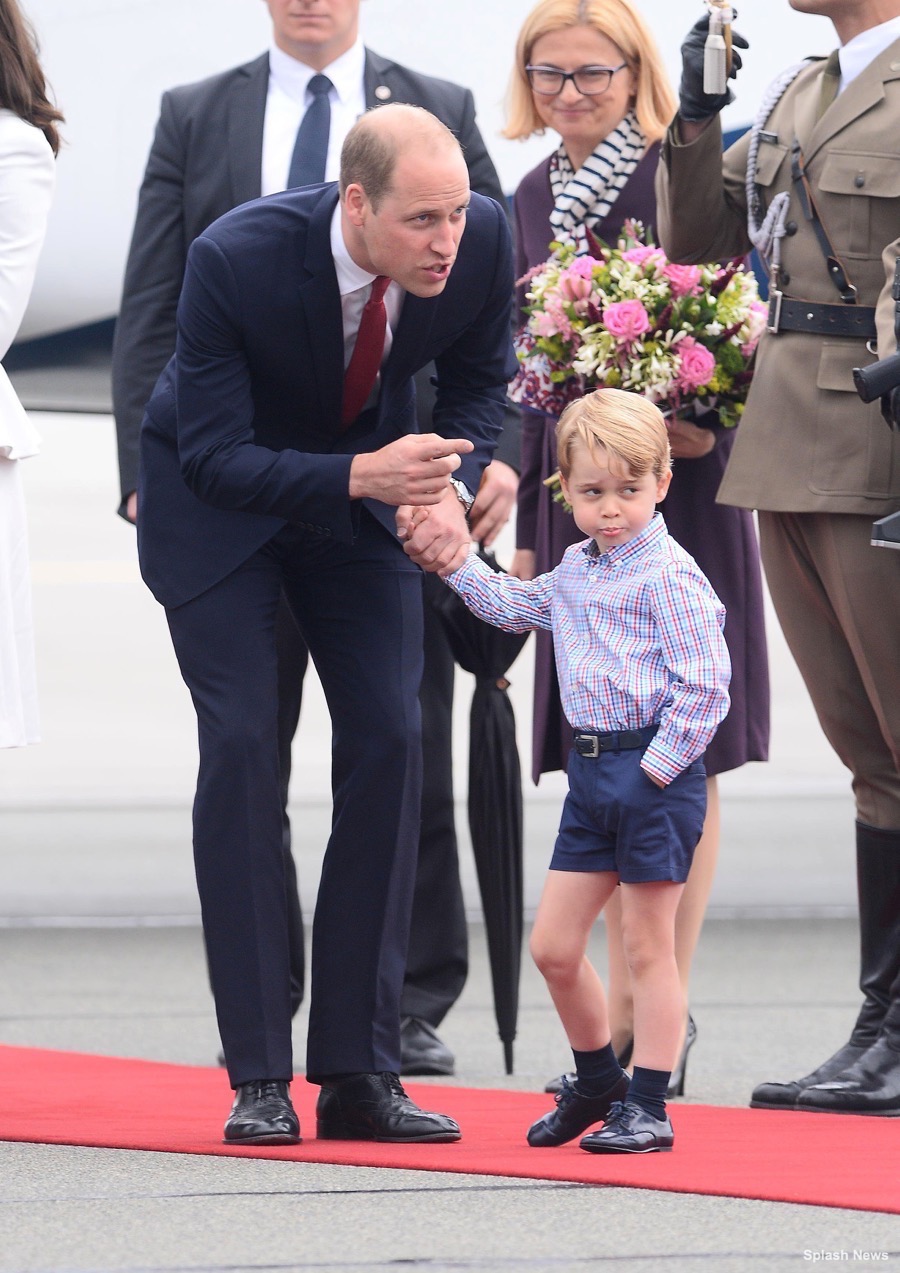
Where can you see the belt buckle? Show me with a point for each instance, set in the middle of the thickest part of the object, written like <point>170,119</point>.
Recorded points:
<point>591,740</point>
<point>773,324</point>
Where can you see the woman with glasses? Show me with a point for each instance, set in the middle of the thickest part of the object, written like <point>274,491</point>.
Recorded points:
<point>590,71</point>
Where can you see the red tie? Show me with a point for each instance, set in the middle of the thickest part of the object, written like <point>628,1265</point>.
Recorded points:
<point>366,360</point>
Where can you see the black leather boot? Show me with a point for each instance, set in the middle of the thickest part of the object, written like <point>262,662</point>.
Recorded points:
<point>878,888</point>
<point>871,1084</point>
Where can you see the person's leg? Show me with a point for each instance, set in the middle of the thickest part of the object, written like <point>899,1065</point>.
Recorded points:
<point>568,909</point>
<point>437,962</point>
<point>225,645</point>
<point>569,906</point>
<point>648,939</point>
<point>292,662</point>
<point>823,574</point>
<point>688,924</point>
<point>359,609</point>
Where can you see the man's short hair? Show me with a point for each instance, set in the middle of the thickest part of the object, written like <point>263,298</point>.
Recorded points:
<point>628,427</point>
<point>369,154</point>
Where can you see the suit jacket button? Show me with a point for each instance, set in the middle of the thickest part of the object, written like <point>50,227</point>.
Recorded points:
<point>790,227</point>
<point>859,181</point>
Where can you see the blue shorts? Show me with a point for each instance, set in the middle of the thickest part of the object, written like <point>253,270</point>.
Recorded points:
<point>615,818</point>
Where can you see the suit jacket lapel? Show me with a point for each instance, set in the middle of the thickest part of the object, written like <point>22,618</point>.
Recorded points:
<point>321,302</point>
<point>246,116</point>
<point>376,80</point>
<point>413,331</point>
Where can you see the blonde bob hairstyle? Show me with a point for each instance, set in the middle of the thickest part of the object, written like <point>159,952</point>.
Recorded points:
<point>619,21</point>
<point>629,428</point>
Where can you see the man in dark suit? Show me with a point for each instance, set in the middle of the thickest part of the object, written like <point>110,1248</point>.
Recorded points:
<point>218,144</point>
<point>258,476</point>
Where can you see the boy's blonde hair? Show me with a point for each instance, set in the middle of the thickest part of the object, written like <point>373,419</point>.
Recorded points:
<point>628,427</point>
<point>654,103</point>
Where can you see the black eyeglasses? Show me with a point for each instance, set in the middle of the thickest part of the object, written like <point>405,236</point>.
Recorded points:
<point>588,80</point>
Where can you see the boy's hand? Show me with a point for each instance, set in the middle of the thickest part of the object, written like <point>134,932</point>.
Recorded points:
<point>656,781</point>
<point>437,538</point>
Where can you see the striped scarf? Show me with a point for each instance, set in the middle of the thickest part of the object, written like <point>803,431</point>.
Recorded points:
<point>585,198</point>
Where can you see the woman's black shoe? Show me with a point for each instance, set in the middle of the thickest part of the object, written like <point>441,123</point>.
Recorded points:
<point>574,1113</point>
<point>262,1114</point>
<point>676,1082</point>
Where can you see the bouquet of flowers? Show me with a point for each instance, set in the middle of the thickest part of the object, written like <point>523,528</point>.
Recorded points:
<point>628,318</point>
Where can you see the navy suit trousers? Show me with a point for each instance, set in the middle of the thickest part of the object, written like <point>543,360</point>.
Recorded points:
<point>359,608</point>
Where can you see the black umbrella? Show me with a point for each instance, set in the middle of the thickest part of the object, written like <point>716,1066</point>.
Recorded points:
<point>495,796</point>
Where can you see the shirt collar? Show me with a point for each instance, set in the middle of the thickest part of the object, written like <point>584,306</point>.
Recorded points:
<point>350,276</point>
<point>859,52</point>
<point>649,537</point>
<point>292,76</point>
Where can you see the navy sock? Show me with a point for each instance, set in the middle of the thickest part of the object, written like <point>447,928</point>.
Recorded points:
<point>648,1089</point>
<point>597,1071</point>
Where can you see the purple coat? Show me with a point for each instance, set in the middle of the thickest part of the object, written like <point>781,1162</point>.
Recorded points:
<point>721,539</point>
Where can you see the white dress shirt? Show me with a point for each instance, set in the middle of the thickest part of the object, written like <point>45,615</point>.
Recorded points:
<point>287,103</point>
<point>864,48</point>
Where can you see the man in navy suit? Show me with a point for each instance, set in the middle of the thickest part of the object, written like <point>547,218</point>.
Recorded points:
<point>220,143</point>
<point>250,485</point>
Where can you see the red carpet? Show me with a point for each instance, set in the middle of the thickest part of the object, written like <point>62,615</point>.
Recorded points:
<point>68,1098</point>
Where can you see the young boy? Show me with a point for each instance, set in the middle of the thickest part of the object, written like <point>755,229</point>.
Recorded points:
<point>643,674</point>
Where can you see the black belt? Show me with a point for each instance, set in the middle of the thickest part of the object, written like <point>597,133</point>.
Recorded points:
<point>589,742</point>
<point>787,315</point>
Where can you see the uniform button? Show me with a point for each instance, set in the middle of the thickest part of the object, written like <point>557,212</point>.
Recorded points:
<point>859,181</point>
<point>785,277</point>
<point>791,227</point>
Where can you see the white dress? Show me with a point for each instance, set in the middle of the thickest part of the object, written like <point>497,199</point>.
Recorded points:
<point>27,172</point>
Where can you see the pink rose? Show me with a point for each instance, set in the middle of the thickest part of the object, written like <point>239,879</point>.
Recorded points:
<point>685,279</point>
<point>696,365</point>
<point>626,320</point>
<point>584,265</point>
<point>641,254</point>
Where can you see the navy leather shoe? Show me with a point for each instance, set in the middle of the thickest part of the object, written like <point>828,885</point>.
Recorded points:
<point>630,1130</point>
<point>262,1114</point>
<point>375,1107</point>
<point>574,1113</point>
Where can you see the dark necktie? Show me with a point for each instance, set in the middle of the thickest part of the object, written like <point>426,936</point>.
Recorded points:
<point>366,359</point>
<point>831,79</point>
<point>311,147</point>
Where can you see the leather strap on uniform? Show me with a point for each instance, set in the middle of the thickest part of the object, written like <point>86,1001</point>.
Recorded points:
<point>836,271</point>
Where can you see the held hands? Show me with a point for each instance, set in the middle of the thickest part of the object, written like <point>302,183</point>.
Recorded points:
<point>415,469</point>
<point>694,104</point>
<point>437,537</point>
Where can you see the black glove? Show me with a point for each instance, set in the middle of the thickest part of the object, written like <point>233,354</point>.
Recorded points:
<point>694,104</point>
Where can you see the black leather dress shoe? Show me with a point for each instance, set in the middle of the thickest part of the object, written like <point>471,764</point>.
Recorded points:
<point>574,1113</point>
<point>262,1114</point>
<point>421,1051</point>
<point>375,1107</point>
<point>785,1095</point>
<point>630,1130</point>
<point>871,1085</point>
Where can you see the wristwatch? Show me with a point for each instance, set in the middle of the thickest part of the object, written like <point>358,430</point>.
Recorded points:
<point>463,494</point>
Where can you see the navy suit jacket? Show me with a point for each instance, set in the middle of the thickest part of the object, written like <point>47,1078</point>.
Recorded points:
<point>241,433</point>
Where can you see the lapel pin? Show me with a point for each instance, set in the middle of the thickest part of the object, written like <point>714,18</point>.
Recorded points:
<point>382,92</point>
